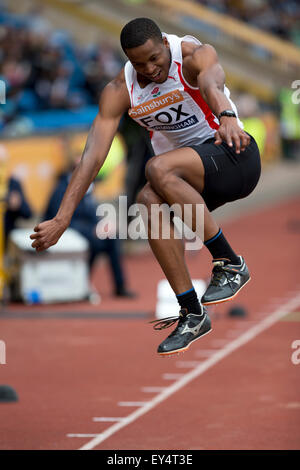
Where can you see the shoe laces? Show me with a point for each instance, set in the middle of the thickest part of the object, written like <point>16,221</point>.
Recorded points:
<point>220,269</point>
<point>218,274</point>
<point>169,321</point>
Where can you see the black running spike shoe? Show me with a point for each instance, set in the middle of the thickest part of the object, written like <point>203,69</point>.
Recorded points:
<point>226,281</point>
<point>189,328</point>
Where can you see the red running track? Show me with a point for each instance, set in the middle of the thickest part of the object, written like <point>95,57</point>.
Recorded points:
<point>237,388</point>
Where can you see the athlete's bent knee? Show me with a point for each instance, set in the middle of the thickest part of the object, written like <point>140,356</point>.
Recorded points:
<point>159,174</point>
<point>156,169</point>
<point>147,196</point>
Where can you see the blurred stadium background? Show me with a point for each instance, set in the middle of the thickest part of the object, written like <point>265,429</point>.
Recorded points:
<point>55,58</point>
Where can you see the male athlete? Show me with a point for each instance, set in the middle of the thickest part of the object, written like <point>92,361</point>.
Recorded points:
<point>174,87</point>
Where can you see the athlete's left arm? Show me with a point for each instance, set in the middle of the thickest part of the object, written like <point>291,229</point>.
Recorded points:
<point>211,81</point>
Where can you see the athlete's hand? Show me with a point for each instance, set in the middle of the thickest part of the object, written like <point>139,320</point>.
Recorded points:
<point>231,133</point>
<point>47,234</point>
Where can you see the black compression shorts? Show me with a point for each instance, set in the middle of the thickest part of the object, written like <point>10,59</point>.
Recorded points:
<point>228,175</point>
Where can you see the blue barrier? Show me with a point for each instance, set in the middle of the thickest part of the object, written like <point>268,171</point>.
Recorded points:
<point>54,120</point>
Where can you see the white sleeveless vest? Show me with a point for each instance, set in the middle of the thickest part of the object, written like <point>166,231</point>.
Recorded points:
<point>174,112</point>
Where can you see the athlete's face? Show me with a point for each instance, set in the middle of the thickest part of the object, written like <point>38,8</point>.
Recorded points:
<point>151,60</point>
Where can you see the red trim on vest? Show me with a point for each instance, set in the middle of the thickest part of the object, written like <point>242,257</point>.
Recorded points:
<point>196,95</point>
<point>131,94</point>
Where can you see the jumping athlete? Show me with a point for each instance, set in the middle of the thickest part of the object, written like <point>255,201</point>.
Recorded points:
<point>175,88</point>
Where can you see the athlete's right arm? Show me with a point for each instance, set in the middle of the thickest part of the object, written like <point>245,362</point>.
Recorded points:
<point>114,101</point>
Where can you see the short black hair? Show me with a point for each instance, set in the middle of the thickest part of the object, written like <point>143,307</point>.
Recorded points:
<point>138,31</point>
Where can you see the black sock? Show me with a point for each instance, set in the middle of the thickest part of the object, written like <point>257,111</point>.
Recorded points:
<point>220,248</point>
<point>189,300</point>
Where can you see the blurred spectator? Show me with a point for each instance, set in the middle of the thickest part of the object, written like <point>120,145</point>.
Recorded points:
<point>16,206</point>
<point>280,17</point>
<point>139,151</point>
<point>101,63</point>
<point>45,69</point>
<point>85,222</point>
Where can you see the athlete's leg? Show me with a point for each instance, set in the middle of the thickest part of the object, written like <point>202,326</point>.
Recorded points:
<point>193,321</point>
<point>178,177</point>
<point>168,252</point>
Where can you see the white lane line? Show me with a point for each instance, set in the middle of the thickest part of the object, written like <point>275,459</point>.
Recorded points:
<point>234,333</point>
<point>187,364</point>
<point>152,389</point>
<point>172,376</point>
<point>132,403</point>
<point>205,352</point>
<point>265,323</point>
<point>108,419</point>
<point>219,343</point>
